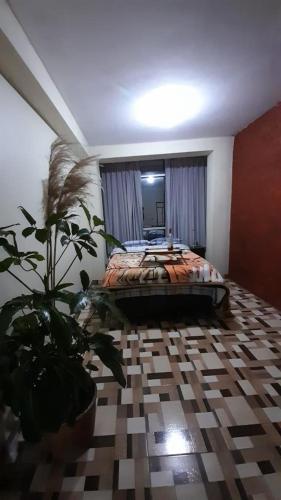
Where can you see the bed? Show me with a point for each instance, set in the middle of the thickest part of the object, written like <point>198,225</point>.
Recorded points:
<point>148,277</point>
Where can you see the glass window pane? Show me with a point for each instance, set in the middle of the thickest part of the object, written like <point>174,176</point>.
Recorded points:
<point>153,198</point>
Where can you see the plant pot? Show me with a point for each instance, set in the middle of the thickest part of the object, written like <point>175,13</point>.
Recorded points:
<point>70,441</point>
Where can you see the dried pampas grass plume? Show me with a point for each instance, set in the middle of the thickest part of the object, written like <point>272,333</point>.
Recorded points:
<point>68,179</point>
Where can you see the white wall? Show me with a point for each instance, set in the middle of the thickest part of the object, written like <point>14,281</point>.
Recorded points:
<point>25,140</point>
<point>23,68</point>
<point>219,185</point>
<point>24,145</point>
<point>219,178</point>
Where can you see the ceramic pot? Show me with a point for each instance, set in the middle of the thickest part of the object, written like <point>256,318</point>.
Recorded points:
<point>71,441</point>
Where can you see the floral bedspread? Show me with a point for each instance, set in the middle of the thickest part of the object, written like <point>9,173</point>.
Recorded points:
<point>141,268</point>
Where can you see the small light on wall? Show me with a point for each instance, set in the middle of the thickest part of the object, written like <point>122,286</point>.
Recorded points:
<point>150,179</point>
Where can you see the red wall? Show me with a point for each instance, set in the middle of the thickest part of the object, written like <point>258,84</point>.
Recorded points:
<point>255,234</point>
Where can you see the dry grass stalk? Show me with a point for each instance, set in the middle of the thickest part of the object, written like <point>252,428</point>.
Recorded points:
<point>68,179</point>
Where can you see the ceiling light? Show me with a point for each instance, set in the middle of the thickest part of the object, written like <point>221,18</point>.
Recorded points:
<point>168,106</point>
<point>150,179</point>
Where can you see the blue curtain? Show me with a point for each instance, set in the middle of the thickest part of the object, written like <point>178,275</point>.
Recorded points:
<point>185,199</point>
<point>122,200</point>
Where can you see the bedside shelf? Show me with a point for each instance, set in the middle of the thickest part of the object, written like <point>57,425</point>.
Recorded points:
<point>199,250</point>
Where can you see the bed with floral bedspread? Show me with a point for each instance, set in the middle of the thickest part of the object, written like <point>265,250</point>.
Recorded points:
<point>151,271</point>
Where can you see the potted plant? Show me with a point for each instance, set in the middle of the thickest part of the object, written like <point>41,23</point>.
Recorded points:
<point>45,378</point>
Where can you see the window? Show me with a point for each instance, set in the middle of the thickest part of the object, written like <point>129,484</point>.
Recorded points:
<point>183,209</point>
<point>153,196</point>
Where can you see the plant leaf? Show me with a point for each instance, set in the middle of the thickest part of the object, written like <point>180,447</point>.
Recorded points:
<point>109,355</point>
<point>83,231</point>
<point>66,296</point>
<point>93,243</point>
<point>88,238</point>
<point>104,302</point>
<point>64,239</point>
<point>74,228</point>
<point>5,264</point>
<point>89,248</point>
<point>97,221</point>
<point>27,231</point>
<point>10,308</point>
<point>111,240</point>
<point>36,256</point>
<point>78,251</point>
<point>22,405</point>
<point>85,280</point>
<point>31,263</point>
<point>28,326</point>
<point>28,217</point>
<point>70,216</point>
<point>55,218</point>
<point>64,227</point>
<point>85,210</point>
<point>10,249</point>
<point>7,233</point>
<point>59,328</point>
<point>41,235</point>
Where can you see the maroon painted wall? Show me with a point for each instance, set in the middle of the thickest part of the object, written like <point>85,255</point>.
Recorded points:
<point>255,233</point>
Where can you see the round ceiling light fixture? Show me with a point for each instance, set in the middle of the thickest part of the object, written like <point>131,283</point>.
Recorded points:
<point>168,106</point>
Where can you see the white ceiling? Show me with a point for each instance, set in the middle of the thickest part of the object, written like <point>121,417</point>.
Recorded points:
<point>103,54</point>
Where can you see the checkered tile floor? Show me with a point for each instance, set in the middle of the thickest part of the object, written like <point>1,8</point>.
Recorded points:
<point>200,417</point>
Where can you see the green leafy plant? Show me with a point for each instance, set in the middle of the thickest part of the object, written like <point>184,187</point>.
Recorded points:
<point>44,378</point>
